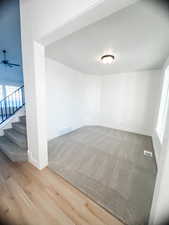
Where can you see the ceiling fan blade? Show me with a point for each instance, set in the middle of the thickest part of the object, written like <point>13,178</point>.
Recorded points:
<point>6,62</point>
<point>13,64</point>
<point>4,54</point>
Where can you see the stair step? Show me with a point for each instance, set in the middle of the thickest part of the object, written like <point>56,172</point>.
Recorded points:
<point>22,119</point>
<point>17,138</point>
<point>20,127</point>
<point>12,150</point>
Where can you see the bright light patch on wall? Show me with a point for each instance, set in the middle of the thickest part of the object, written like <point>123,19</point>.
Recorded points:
<point>162,116</point>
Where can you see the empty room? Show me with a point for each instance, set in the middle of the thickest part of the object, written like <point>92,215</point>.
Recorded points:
<point>84,114</point>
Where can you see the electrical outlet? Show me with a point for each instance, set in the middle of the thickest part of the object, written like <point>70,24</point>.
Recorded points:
<point>148,154</point>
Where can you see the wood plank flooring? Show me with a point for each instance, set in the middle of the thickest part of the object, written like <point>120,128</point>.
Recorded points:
<point>31,197</point>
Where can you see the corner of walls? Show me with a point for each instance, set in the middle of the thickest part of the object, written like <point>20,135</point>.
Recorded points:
<point>90,100</point>
<point>128,101</point>
<point>93,99</point>
<point>73,98</point>
<point>35,162</point>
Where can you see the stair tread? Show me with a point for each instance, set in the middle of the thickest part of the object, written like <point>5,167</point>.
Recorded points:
<point>20,124</point>
<point>16,137</point>
<point>22,118</point>
<point>15,133</point>
<point>19,127</point>
<point>8,146</point>
<point>12,151</point>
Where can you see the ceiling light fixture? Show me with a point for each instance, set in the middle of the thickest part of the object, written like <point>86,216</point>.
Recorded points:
<point>107,59</point>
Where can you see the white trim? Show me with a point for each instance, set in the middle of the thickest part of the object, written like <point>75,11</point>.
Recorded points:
<point>34,162</point>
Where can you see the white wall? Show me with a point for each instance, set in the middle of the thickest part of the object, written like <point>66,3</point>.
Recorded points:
<point>129,101</point>
<point>160,207</point>
<point>72,99</point>
<point>47,21</point>
<point>122,101</point>
<point>92,99</point>
<point>10,40</point>
<point>38,19</point>
<point>156,141</point>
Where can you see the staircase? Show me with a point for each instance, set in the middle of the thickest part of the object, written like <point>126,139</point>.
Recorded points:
<point>14,141</point>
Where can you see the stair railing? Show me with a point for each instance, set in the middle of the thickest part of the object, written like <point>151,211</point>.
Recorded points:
<point>11,104</point>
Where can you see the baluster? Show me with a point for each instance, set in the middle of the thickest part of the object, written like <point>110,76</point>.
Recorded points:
<point>2,117</point>
<point>9,108</point>
<point>16,100</point>
<point>16,94</point>
<point>10,104</point>
<point>23,97</point>
<point>5,108</point>
<point>20,103</point>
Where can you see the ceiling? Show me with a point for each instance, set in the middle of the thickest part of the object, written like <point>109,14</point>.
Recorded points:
<point>138,36</point>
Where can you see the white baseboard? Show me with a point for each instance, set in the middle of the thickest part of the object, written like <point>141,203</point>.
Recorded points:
<point>35,163</point>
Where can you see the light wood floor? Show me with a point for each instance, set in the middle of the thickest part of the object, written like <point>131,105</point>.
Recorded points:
<point>32,197</point>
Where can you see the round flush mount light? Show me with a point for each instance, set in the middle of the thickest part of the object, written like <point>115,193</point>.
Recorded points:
<point>107,59</point>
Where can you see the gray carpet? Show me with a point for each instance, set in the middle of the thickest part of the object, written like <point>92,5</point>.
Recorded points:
<point>109,166</point>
